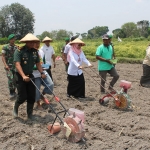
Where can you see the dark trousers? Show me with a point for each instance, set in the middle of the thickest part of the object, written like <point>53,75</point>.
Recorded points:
<point>76,85</point>
<point>103,74</point>
<point>26,90</point>
<point>49,72</point>
<point>145,79</point>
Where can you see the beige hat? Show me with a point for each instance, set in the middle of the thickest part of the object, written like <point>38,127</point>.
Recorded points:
<point>78,41</point>
<point>29,37</point>
<point>47,39</point>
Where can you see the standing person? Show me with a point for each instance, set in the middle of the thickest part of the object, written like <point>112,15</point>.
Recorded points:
<point>67,40</point>
<point>145,79</point>
<point>104,54</point>
<point>76,82</point>
<point>7,58</point>
<point>49,54</point>
<point>48,88</point>
<point>25,59</point>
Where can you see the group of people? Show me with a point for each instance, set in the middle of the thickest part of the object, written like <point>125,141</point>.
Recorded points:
<point>29,67</point>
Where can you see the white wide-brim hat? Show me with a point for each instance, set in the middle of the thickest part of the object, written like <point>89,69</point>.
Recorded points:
<point>29,37</point>
<point>47,39</point>
<point>77,41</point>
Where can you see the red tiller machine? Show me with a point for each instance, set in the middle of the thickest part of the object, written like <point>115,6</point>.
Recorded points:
<point>72,124</point>
<point>121,98</point>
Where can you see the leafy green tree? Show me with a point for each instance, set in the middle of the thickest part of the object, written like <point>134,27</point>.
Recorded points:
<point>143,27</point>
<point>118,33</point>
<point>129,29</point>
<point>17,19</point>
<point>61,34</point>
<point>84,35</point>
<point>97,31</point>
<point>44,34</point>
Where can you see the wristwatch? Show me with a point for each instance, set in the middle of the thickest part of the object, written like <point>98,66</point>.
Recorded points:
<point>42,73</point>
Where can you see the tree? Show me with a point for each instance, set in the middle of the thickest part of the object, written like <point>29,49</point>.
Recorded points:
<point>84,35</point>
<point>143,27</point>
<point>17,19</point>
<point>118,33</point>
<point>129,29</point>
<point>56,34</point>
<point>97,31</point>
<point>44,34</point>
<point>61,34</point>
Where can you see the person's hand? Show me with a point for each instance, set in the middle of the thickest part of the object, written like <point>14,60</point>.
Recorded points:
<point>90,65</point>
<point>66,63</point>
<point>7,67</point>
<point>26,78</point>
<point>108,61</point>
<point>80,67</point>
<point>43,76</point>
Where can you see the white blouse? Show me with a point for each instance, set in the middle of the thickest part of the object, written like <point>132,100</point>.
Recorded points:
<point>75,61</point>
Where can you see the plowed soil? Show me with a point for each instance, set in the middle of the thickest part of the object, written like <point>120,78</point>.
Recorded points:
<point>107,127</point>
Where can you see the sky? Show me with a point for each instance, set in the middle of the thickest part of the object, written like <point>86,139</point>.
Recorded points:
<point>79,16</point>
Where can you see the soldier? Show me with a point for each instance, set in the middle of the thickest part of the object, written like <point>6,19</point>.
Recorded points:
<point>7,58</point>
<point>24,59</point>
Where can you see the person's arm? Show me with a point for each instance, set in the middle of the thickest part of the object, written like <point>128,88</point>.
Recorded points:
<point>103,59</point>
<point>53,57</point>
<point>99,52</point>
<point>85,60</point>
<point>4,61</point>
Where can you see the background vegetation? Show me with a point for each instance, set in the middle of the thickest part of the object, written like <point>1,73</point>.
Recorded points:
<point>129,50</point>
<point>17,19</point>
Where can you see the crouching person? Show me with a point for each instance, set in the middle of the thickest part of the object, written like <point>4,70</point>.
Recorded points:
<point>24,59</point>
<point>46,82</point>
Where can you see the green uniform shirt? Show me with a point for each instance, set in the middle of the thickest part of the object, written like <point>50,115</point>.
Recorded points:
<point>27,58</point>
<point>104,52</point>
<point>9,50</point>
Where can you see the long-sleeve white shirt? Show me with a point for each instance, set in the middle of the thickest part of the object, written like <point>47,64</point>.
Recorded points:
<point>75,61</point>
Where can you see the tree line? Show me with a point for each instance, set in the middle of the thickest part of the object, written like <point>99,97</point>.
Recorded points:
<point>18,19</point>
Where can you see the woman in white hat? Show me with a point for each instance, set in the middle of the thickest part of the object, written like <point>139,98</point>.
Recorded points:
<point>75,57</point>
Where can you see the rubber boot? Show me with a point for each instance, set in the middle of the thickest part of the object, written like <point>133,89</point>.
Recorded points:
<point>15,110</point>
<point>30,111</point>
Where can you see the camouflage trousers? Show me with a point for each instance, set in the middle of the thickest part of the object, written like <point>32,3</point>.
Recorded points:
<point>11,80</point>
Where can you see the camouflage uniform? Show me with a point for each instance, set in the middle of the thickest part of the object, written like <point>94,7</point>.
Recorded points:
<point>9,50</point>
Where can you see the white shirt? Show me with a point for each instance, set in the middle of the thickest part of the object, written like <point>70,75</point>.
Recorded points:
<point>48,52</point>
<point>67,47</point>
<point>75,61</point>
<point>147,57</point>
<point>41,53</point>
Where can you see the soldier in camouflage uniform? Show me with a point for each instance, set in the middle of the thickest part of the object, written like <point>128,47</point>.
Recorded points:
<point>7,58</point>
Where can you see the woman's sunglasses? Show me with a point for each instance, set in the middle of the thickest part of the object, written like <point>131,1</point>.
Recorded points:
<point>79,44</point>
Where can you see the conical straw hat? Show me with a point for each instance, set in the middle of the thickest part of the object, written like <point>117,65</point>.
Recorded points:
<point>78,41</point>
<point>47,39</point>
<point>29,37</point>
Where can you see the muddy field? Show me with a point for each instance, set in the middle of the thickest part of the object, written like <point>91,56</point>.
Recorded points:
<point>107,128</point>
